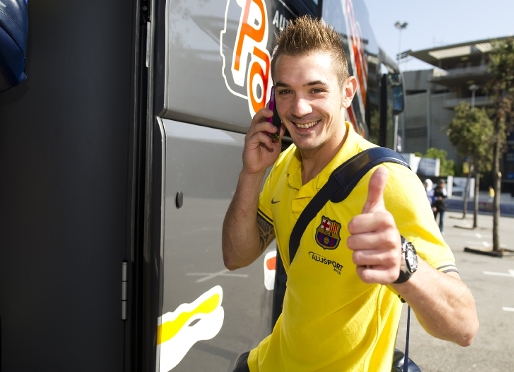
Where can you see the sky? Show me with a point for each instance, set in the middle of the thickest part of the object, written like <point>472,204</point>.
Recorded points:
<point>437,23</point>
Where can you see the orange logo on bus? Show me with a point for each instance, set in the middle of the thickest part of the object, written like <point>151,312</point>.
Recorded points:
<point>246,60</point>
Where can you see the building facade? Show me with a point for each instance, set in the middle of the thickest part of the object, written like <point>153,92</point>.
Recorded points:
<point>459,74</point>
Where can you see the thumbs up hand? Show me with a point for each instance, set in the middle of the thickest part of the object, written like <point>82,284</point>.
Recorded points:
<point>374,238</point>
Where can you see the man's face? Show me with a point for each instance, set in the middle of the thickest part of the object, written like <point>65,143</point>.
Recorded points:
<point>310,101</point>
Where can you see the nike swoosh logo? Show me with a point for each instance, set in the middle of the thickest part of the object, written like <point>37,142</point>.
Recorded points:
<point>274,202</point>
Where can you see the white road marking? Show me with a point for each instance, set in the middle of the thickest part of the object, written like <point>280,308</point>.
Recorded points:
<point>510,273</point>
<point>209,276</point>
<point>478,235</point>
<point>483,242</point>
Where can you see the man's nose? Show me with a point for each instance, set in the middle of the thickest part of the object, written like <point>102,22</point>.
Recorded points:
<point>301,106</point>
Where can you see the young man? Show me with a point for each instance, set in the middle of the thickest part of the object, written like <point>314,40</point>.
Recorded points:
<point>340,317</point>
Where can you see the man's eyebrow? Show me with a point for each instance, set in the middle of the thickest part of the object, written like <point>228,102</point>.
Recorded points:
<point>311,83</point>
<point>280,84</point>
<point>316,82</point>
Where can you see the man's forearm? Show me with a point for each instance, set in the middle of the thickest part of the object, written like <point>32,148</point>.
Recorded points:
<point>443,304</point>
<point>240,239</point>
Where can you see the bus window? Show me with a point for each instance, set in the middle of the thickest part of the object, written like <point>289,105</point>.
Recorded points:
<point>305,6</point>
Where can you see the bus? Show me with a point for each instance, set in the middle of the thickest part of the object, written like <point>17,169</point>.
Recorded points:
<point>119,156</point>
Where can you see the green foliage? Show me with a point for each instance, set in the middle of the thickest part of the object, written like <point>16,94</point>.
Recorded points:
<point>458,170</point>
<point>472,133</point>
<point>445,166</point>
<point>501,67</point>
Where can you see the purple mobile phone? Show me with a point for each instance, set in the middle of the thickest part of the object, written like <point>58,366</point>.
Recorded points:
<point>274,119</point>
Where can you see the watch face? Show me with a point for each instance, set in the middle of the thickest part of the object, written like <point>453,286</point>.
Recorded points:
<point>411,258</point>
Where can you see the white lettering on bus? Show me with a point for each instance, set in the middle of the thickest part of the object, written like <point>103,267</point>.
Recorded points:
<point>279,21</point>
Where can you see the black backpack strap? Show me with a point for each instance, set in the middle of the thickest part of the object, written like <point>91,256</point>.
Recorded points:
<point>339,185</point>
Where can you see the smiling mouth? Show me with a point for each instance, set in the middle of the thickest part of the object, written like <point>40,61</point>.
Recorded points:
<point>307,125</point>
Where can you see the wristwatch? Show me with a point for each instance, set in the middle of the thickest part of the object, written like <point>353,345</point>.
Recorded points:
<point>409,262</point>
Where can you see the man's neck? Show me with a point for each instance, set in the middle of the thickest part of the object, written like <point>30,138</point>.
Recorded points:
<point>315,160</point>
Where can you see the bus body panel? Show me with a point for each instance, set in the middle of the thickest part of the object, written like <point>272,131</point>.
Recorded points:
<point>203,164</point>
<point>215,66</point>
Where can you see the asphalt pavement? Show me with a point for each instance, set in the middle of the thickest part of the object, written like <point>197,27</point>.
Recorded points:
<point>491,281</point>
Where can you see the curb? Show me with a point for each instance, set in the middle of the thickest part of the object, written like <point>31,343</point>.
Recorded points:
<point>501,253</point>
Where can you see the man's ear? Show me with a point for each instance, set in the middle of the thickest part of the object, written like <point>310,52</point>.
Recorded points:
<point>349,89</point>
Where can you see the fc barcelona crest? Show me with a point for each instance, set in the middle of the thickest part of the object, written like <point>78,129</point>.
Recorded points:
<point>328,233</point>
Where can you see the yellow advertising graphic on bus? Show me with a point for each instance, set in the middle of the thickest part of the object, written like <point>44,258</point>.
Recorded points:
<point>179,330</point>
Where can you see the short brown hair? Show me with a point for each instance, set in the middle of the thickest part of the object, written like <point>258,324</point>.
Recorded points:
<point>306,34</point>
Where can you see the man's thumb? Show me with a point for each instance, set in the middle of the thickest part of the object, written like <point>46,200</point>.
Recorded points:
<point>377,184</point>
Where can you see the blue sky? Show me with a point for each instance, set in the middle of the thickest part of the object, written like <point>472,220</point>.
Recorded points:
<point>437,23</point>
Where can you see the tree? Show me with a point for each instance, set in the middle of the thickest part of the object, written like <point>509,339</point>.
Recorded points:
<point>501,89</point>
<point>471,132</point>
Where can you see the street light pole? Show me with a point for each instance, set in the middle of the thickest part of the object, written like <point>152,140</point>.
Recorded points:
<point>400,26</point>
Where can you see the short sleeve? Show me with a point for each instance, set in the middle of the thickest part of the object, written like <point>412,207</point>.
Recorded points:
<point>405,197</point>
<point>265,199</point>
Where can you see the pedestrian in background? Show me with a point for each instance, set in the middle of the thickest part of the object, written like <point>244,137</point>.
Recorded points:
<point>429,188</point>
<point>439,202</point>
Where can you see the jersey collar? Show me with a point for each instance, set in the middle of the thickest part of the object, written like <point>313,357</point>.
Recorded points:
<point>294,171</point>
